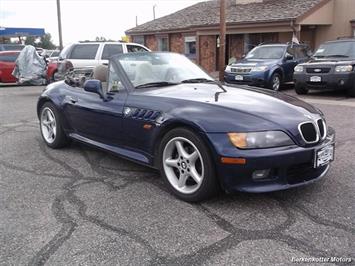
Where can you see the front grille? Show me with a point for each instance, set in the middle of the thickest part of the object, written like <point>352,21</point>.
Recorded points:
<point>241,70</point>
<point>302,173</point>
<point>318,70</point>
<point>309,132</point>
<point>312,132</point>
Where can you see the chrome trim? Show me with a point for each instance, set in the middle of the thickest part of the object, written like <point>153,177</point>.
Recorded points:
<point>315,127</point>
<point>324,128</point>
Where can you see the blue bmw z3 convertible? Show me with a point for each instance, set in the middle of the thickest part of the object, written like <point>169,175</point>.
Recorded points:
<point>163,111</point>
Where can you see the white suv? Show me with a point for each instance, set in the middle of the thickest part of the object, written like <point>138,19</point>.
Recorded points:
<point>92,54</point>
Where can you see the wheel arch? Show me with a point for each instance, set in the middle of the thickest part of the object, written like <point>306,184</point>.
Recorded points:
<point>47,99</point>
<point>180,124</point>
<point>279,71</point>
<point>41,102</point>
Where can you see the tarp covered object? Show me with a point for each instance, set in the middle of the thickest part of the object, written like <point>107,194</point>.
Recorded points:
<point>30,67</point>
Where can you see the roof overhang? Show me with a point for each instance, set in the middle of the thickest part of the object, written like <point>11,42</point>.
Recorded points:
<point>240,27</point>
<point>321,14</point>
<point>16,32</point>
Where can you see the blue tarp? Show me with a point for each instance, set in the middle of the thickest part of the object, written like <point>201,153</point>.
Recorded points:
<point>15,32</point>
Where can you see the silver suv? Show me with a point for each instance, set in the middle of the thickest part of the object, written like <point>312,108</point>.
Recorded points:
<point>92,54</point>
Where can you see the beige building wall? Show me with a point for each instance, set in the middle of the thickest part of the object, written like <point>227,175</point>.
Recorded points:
<point>344,12</point>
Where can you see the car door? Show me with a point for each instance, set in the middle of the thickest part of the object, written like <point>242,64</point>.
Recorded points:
<point>109,50</point>
<point>289,63</point>
<point>84,55</point>
<point>7,65</point>
<point>95,118</point>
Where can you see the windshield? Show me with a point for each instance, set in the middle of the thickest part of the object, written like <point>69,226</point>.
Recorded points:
<point>164,68</point>
<point>266,52</point>
<point>336,49</point>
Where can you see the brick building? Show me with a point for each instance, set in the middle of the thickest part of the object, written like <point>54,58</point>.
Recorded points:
<point>194,31</point>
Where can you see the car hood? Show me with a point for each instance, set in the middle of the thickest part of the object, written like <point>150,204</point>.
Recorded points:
<point>254,62</point>
<point>236,108</point>
<point>327,61</point>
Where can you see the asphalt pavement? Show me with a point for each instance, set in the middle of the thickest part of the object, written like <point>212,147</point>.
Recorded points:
<point>81,206</point>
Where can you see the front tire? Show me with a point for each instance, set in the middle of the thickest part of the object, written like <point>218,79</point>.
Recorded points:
<point>301,90</point>
<point>186,165</point>
<point>275,82</point>
<point>351,91</point>
<point>51,128</point>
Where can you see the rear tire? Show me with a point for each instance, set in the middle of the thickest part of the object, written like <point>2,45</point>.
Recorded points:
<point>301,90</point>
<point>51,127</point>
<point>186,165</point>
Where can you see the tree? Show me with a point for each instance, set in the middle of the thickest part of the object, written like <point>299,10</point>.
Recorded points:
<point>46,42</point>
<point>30,40</point>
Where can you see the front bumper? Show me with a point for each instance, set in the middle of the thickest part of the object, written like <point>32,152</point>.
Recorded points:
<point>290,166</point>
<point>252,78</point>
<point>328,81</point>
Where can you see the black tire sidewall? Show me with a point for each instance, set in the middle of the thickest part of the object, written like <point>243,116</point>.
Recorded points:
<point>209,184</point>
<point>300,90</point>
<point>61,139</point>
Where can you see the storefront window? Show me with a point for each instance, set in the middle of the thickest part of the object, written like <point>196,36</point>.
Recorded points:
<point>163,44</point>
<point>190,46</point>
<point>138,39</point>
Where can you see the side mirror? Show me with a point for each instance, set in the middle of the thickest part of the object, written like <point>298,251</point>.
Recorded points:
<point>289,57</point>
<point>243,56</point>
<point>309,53</point>
<point>94,86</point>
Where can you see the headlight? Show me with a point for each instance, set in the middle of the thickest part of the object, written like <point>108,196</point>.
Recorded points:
<point>228,69</point>
<point>255,140</point>
<point>259,69</point>
<point>347,68</point>
<point>299,69</point>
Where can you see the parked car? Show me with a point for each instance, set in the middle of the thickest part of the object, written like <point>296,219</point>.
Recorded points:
<point>332,67</point>
<point>7,65</point>
<point>86,55</point>
<point>53,56</point>
<point>163,111</point>
<point>11,47</point>
<point>52,69</point>
<point>267,65</point>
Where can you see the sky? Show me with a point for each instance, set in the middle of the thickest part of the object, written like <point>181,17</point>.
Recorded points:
<point>85,19</point>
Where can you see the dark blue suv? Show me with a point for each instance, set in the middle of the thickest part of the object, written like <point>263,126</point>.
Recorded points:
<point>267,65</point>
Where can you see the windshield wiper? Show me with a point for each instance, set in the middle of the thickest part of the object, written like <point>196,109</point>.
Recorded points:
<point>156,84</point>
<point>338,55</point>
<point>204,80</point>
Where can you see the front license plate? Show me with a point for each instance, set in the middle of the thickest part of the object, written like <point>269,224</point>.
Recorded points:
<point>239,77</point>
<point>324,156</point>
<point>316,79</point>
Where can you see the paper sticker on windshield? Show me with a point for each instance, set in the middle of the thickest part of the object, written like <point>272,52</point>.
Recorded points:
<point>320,50</point>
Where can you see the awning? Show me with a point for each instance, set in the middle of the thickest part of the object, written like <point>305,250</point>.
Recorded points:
<point>16,32</point>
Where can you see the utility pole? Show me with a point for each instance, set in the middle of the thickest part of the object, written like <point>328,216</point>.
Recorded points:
<point>222,39</point>
<point>154,11</point>
<point>59,26</point>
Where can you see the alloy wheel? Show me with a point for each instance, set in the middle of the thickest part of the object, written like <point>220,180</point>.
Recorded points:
<point>48,125</point>
<point>276,82</point>
<point>183,165</point>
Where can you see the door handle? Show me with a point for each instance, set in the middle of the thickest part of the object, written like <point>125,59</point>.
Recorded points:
<point>72,99</point>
